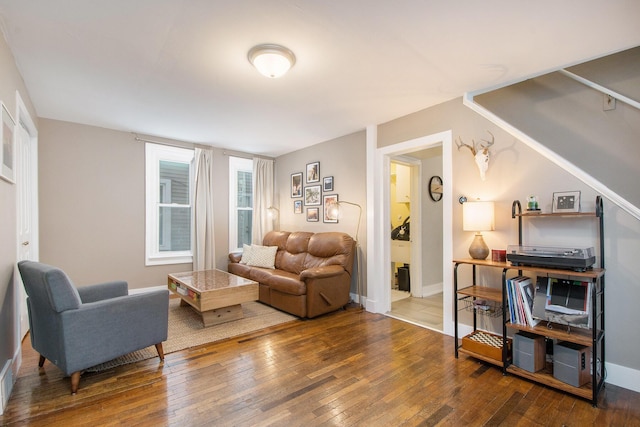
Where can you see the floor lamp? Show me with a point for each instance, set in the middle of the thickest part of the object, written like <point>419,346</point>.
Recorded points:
<point>358,281</point>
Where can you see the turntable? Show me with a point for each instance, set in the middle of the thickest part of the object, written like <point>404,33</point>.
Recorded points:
<point>577,259</point>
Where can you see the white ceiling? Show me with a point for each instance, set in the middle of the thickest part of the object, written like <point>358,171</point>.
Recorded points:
<point>178,68</point>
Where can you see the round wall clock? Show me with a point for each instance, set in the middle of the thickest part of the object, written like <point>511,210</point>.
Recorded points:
<point>435,188</point>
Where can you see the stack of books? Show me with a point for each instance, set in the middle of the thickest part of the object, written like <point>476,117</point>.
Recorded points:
<point>549,299</point>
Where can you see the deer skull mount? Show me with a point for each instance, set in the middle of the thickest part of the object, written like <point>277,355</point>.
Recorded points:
<point>480,152</point>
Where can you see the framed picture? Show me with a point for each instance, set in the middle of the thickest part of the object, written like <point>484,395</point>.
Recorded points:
<point>313,172</point>
<point>296,184</point>
<point>312,195</point>
<point>566,201</point>
<point>330,208</point>
<point>7,148</point>
<point>327,183</point>
<point>297,206</point>
<point>313,214</point>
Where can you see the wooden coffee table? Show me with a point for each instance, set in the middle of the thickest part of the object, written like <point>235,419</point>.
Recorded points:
<point>215,294</point>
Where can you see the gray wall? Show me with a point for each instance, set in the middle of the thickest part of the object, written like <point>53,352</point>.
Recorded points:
<point>515,172</point>
<point>568,117</point>
<point>92,205</point>
<point>344,159</point>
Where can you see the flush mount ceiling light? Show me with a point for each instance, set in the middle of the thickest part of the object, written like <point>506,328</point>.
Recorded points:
<point>271,60</point>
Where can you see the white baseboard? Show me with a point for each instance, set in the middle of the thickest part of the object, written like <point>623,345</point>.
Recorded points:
<point>8,377</point>
<point>622,376</point>
<point>6,385</point>
<point>145,290</point>
<point>429,290</point>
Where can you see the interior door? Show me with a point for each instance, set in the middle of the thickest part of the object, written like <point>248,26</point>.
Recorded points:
<point>27,198</point>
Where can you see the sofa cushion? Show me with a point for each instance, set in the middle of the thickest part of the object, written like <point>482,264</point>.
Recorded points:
<point>331,248</point>
<point>295,252</point>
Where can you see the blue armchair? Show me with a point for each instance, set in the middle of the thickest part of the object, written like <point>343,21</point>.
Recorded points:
<point>76,328</point>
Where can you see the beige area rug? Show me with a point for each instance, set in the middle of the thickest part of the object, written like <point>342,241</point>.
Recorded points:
<point>186,330</point>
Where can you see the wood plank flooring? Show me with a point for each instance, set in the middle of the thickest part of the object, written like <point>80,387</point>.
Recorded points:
<point>425,311</point>
<point>348,368</point>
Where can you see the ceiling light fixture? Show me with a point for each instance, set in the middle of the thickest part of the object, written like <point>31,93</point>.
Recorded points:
<point>271,60</point>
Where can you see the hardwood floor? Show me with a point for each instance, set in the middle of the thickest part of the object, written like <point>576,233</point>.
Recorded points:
<point>346,368</point>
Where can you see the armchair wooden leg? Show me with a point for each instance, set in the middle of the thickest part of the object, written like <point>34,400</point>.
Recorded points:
<point>160,351</point>
<point>41,361</point>
<point>75,382</point>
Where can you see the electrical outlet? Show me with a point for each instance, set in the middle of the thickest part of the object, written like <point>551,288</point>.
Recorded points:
<point>608,103</point>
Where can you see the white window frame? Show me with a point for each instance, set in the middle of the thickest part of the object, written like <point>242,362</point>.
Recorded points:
<point>154,154</point>
<point>236,164</point>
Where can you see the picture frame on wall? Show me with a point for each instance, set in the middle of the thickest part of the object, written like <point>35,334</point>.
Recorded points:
<point>313,172</point>
<point>330,208</point>
<point>296,184</point>
<point>7,146</point>
<point>566,201</point>
<point>312,195</point>
<point>297,206</point>
<point>313,214</point>
<point>327,183</point>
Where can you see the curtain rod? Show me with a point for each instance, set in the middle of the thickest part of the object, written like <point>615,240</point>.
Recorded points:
<point>224,152</point>
<point>171,144</point>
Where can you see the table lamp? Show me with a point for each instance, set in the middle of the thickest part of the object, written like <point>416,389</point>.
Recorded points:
<point>478,217</point>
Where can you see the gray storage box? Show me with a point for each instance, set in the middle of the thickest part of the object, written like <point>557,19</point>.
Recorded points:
<point>529,351</point>
<point>572,363</point>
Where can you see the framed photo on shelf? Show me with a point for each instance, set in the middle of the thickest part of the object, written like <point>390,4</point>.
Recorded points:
<point>313,172</point>
<point>327,183</point>
<point>312,195</point>
<point>566,201</point>
<point>7,147</point>
<point>330,208</point>
<point>296,184</point>
<point>313,214</point>
<point>297,206</point>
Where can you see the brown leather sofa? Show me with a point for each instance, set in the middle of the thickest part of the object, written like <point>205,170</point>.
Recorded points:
<point>312,273</point>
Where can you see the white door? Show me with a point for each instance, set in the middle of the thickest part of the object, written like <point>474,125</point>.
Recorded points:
<point>27,201</point>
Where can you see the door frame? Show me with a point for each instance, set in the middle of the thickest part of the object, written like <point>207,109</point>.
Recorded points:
<point>378,294</point>
<point>24,120</point>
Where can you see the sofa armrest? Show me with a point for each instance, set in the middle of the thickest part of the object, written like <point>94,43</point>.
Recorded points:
<point>235,257</point>
<point>102,291</point>
<point>321,272</point>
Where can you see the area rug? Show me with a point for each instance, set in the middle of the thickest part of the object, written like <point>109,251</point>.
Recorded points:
<point>186,330</point>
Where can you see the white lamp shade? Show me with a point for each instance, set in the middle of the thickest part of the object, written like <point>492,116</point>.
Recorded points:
<point>478,216</point>
<point>272,61</point>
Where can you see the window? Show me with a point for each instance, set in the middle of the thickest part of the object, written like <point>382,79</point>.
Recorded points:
<point>168,202</point>
<point>240,202</point>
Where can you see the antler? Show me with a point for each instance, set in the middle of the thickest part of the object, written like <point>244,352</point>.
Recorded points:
<point>470,147</point>
<point>488,143</point>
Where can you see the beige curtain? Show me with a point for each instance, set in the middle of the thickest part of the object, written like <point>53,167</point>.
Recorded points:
<point>262,199</point>
<point>204,246</point>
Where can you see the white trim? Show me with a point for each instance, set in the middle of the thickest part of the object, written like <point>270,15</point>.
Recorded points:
<point>146,290</point>
<point>552,156</point>
<point>622,376</point>
<point>379,301</point>
<point>600,88</point>
<point>154,153</point>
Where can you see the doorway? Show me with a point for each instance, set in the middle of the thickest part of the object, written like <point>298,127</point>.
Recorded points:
<point>413,299</point>
<point>379,293</point>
